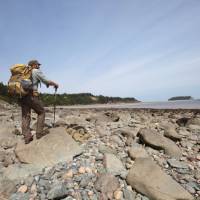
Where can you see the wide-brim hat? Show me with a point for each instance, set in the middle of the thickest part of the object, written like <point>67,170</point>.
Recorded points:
<point>33,62</point>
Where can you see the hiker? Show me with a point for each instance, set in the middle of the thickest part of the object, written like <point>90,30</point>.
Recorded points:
<point>32,101</point>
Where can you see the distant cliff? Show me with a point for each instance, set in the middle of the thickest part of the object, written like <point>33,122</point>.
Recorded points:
<point>70,99</point>
<point>180,98</point>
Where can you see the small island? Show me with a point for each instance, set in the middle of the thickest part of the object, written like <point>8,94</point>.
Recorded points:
<point>180,98</point>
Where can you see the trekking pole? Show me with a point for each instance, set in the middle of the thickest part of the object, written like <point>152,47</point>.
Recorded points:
<point>54,108</point>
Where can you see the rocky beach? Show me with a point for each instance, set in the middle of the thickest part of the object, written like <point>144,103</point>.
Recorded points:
<point>101,154</point>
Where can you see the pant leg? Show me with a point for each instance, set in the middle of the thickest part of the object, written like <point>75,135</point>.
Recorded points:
<point>26,117</point>
<point>37,106</point>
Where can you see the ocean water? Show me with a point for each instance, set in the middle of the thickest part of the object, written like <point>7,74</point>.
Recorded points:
<point>180,104</point>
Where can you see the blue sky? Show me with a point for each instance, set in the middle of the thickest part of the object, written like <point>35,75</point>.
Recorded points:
<point>148,49</point>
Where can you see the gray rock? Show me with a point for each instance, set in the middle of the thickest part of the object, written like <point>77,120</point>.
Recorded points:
<point>69,184</point>
<point>112,116</point>
<point>194,127</point>
<point>43,182</point>
<point>7,187</point>
<point>177,164</point>
<point>72,120</point>
<point>2,155</point>
<point>184,132</point>
<point>197,174</point>
<point>84,195</point>
<point>144,198</point>
<point>29,181</point>
<point>193,137</point>
<point>129,141</point>
<point>116,139</point>
<point>51,149</point>
<point>102,131</point>
<point>183,171</point>
<point>18,172</point>
<point>137,152</point>
<point>37,178</point>
<point>128,132</point>
<point>106,184</point>
<point>99,157</point>
<point>114,165</point>
<point>148,178</point>
<point>157,141</point>
<point>8,143</point>
<point>172,134</point>
<point>6,131</point>
<point>17,131</point>
<point>43,196</point>
<point>105,149</point>
<point>129,195</point>
<point>58,191</point>
<point>85,181</point>
<point>194,185</point>
<point>6,158</point>
<point>60,122</point>
<point>47,124</point>
<point>20,196</point>
<point>9,159</point>
<point>193,121</point>
<point>182,121</point>
<point>190,189</point>
<point>69,198</point>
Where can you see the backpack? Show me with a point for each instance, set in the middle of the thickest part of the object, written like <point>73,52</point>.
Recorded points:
<point>20,83</point>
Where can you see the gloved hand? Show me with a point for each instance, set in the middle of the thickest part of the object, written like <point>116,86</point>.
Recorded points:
<point>55,85</point>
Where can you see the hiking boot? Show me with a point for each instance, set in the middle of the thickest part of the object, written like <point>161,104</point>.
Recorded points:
<point>28,139</point>
<point>44,132</point>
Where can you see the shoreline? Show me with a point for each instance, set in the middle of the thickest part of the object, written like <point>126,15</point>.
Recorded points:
<point>186,105</point>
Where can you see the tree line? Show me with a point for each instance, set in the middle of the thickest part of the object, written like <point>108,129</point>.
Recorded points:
<point>69,99</point>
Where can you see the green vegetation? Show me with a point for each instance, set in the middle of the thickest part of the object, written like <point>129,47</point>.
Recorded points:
<point>180,98</point>
<point>4,94</point>
<point>69,99</point>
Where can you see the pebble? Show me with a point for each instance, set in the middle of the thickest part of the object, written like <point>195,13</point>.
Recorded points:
<point>118,194</point>
<point>190,189</point>
<point>128,165</point>
<point>37,178</point>
<point>81,170</point>
<point>182,181</point>
<point>68,174</point>
<point>88,170</point>
<point>23,189</point>
<point>99,157</point>
<point>90,193</point>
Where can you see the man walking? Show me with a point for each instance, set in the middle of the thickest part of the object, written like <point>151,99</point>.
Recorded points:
<point>32,101</point>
